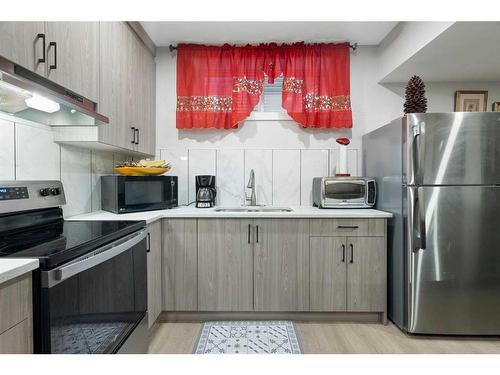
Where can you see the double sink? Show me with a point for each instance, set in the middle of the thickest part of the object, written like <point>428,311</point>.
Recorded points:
<point>253,209</point>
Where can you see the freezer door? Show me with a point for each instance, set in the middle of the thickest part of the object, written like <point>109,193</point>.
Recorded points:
<point>453,148</point>
<point>454,260</point>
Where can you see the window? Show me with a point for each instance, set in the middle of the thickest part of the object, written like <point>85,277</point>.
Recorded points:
<point>269,107</point>
<point>270,100</point>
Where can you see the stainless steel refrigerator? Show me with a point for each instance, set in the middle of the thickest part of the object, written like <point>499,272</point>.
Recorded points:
<point>439,174</point>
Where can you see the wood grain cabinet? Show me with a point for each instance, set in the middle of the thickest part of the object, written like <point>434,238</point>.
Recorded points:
<point>328,270</point>
<point>348,273</point>
<point>105,62</point>
<point>281,265</point>
<point>127,89</point>
<point>154,272</point>
<point>16,316</point>
<point>73,56</point>
<point>366,274</point>
<point>180,265</point>
<point>64,52</point>
<point>22,43</point>
<point>225,265</point>
<point>275,265</point>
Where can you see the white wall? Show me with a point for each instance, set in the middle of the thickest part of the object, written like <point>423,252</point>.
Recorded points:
<point>28,152</point>
<point>441,95</point>
<point>406,39</point>
<point>288,152</point>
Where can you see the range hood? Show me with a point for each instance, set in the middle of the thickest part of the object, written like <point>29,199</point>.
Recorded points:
<point>30,96</point>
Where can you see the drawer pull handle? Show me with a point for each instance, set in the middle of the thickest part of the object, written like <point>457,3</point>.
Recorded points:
<point>347,226</point>
<point>133,135</point>
<point>42,59</point>
<point>257,230</point>
<point>248,233</point>
<point>54,46</point>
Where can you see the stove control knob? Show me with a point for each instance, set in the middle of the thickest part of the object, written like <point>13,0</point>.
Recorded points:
<point>44,192</point>
<point>55,191</point>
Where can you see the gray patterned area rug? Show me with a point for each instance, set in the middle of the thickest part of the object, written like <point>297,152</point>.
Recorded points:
<point>248,337</point>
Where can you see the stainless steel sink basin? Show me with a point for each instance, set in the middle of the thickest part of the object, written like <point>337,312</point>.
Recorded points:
<point>254,209</point>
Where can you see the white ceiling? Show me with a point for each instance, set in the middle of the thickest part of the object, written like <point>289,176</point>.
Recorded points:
<point>364,33</point>
<point>465,52</point>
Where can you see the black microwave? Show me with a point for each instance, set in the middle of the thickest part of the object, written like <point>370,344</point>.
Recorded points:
<point>124,194</point>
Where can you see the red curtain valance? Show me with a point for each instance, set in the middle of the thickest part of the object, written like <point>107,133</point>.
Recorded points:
<point>218,87</point>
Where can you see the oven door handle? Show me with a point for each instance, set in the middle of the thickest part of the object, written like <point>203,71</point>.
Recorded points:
<point>96,257</point>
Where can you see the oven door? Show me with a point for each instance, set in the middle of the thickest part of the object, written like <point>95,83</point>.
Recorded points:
<point>94,303</point>
<point>138,193</point>
<point>344,193</point>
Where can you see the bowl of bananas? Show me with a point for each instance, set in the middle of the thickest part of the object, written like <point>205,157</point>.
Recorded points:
<point>144,167</point>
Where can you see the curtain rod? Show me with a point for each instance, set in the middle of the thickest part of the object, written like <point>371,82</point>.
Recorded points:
<point>353,46</point>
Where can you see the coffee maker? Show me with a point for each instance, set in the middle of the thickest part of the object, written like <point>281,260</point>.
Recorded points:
<point>205,191</point>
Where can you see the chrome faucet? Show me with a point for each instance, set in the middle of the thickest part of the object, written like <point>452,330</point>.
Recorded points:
<point>251,185</point>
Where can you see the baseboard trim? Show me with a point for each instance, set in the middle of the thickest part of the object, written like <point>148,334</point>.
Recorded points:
<point>201,316</point>
<point>152,330</point>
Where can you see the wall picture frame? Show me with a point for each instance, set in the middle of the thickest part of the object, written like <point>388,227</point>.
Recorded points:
<point>471,101</point>
<point>495,107</point>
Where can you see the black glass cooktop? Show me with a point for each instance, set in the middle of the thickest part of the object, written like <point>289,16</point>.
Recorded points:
<point>61,241</point>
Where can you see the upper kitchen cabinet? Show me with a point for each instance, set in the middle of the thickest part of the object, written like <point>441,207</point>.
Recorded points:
<point>73,56</point>
<point>127,89</point>
<point>113,88</point>
<point>23,43</point>
<point>147,100</point>
<point>64,52</point>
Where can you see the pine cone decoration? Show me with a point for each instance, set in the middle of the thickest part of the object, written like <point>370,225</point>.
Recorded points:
<point>415,102</point>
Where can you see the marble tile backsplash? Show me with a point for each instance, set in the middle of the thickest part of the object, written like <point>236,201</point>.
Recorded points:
<point>28,152</point>
<point>283,176</point>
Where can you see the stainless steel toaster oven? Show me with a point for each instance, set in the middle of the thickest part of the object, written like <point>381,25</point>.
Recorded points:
<point>344,192</point>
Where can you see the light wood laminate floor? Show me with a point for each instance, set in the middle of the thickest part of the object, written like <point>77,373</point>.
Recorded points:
<point>335,338</point>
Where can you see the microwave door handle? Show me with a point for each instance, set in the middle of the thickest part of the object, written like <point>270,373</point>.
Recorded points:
<point>99,256</point>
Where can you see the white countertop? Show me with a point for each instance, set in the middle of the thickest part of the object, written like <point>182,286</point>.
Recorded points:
<point>11,268</point>
<point>193,212</point>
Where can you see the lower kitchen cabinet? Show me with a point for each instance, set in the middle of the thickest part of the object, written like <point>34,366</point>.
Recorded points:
<point>225,265</point>
<point>281,265</point>
<point>274,265</point>
<point>16,316</point>
<point>180,265</point>
<point>366,274</point>
<point>154,272</point>
<point>348,274</point>
<point>328,270</point>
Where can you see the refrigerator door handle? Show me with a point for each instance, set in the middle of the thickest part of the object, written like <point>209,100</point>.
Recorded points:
<point>419,240</point>
<point>418,152</point>
<point>421,216</point>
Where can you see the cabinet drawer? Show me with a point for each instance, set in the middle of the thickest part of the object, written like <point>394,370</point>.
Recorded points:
<point>348,227</point>
<point>15,301</point>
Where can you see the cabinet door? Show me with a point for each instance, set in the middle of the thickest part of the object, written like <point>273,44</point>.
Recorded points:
<point>281,265</point>
<point>19,43</point>
<point>225,258</point>
<point>114,86</point>
<point>77,63</point>
<point>328,273</point>
<point>180,269</point>
<point>366,274</point>
<point>154,272</point>
<point>17,340</point>
<point>147,115</point>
